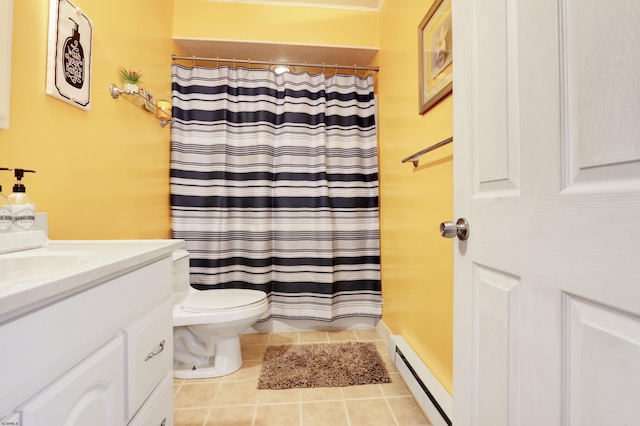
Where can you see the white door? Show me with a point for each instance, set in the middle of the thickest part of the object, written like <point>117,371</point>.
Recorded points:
<point>547,173</point>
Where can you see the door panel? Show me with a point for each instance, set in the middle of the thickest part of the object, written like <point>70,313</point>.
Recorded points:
<point>602,351</point>
<point>496,127</point>
<point>496,310</point>
<point>601,92</point>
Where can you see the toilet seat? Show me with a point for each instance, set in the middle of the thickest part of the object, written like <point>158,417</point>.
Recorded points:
<point>222,299</point>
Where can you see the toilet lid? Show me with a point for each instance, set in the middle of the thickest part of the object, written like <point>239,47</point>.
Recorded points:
<point>227,298</point>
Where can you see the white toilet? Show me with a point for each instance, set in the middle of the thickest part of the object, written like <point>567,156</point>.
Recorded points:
<point>207,324</point>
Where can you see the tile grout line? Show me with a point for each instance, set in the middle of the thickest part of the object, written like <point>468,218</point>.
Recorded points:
<point>206,419</point>
<point>344,407</point>
<point>255,414</point>
<point>393,414</point>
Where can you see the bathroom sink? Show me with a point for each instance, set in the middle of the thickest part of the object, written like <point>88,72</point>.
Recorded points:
<point>25,267</point>
<point>35,277</point>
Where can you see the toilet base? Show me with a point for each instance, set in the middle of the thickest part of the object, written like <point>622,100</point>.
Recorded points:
<point>227,359</point>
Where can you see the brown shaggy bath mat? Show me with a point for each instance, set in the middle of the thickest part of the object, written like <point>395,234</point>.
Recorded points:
<point>322,365</point>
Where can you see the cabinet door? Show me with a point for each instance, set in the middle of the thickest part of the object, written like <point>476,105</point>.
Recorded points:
<point>90,394</point>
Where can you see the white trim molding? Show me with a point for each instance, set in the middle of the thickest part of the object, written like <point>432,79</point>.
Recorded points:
<point>6,36</point>
<point>431,396</point>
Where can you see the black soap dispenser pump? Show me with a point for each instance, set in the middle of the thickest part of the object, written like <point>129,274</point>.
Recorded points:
<point>22,207</point>
<point>6,215</point>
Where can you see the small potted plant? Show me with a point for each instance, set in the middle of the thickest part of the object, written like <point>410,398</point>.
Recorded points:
<point>131,79</point>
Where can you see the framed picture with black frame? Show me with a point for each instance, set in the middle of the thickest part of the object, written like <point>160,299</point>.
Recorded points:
<point>435,53</point>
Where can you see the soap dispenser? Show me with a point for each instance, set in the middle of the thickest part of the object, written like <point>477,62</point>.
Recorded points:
<point>22,207</point>
<point>6,215</point>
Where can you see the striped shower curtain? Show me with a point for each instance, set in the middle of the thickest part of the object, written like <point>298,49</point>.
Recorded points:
<point>274,186</point>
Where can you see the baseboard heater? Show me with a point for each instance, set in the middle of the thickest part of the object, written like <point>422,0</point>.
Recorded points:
<point>429,393</point>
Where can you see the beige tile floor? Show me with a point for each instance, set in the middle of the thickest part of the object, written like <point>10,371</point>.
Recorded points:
<point>235,400</point>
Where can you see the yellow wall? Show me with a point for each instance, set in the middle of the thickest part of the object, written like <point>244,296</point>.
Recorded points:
<point>100,174</point>
<point>104,174</point>
<point>416,262</point>
<point>269,23</point>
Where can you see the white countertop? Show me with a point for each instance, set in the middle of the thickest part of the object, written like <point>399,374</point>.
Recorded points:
<point>33,278</point>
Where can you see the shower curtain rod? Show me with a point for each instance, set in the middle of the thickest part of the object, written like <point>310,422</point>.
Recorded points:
<point>293,64</point>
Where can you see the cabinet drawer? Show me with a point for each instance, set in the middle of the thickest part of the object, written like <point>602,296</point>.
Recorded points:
<point>91,394</point>
<point>149,344</point>
<point>158,410</point>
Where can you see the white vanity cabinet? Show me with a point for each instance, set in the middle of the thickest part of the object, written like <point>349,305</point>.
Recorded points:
<point>99,356</point>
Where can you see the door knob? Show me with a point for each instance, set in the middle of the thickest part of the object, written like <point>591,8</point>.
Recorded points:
<point>459,229</point>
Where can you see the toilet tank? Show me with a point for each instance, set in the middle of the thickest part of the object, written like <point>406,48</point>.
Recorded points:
<point>181,271</point>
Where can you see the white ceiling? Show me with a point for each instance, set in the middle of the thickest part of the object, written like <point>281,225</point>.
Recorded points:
<point>342,4</point>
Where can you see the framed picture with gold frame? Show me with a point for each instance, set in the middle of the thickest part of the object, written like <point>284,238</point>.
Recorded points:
<point>435,53</point>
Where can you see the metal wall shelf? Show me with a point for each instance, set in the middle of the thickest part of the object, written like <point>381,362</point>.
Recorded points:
<point>149,106</point>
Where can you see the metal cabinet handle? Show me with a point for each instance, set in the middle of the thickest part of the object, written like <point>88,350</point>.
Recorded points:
<point>152,354</point>
<point>459,229</point>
